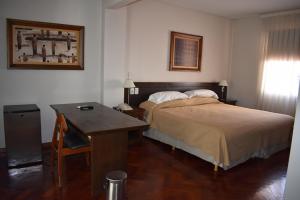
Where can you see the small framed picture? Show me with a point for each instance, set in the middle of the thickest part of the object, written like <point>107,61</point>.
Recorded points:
<point>41,45</point>
<point>185,52</point>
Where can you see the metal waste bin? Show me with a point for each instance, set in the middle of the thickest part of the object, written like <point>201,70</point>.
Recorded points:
<point>116,185</point>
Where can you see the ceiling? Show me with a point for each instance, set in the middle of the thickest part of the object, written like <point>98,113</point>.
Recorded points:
<point>237,8</point>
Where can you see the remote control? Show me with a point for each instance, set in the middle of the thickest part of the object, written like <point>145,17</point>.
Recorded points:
<point>85,107</point>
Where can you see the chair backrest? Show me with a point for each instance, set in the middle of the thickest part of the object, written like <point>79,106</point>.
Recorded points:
<point>61,123</point>
<point>60,129</point>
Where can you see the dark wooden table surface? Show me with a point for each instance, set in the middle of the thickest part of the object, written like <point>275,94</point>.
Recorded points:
<point>109,137</point>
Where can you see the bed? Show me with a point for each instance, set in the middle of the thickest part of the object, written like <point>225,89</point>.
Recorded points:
<point>221,134</point>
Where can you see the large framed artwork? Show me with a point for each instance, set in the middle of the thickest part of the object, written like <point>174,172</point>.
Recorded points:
<point>185,52</point>
<point>41,45</point>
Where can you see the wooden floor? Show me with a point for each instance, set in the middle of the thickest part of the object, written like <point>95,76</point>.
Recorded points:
<point>155,172</point>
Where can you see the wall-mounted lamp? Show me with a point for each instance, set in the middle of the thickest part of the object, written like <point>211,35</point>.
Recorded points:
<point>223,84</point>
<point>128,84</point>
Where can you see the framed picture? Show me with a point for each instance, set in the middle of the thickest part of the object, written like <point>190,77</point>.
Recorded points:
<point>185,52</point>
<point>41,45</point>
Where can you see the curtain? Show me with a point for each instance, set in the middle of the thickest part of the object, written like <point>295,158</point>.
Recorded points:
<point>280,64</point>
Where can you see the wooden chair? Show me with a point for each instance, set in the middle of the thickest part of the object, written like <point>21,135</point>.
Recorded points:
<point>67,141</point>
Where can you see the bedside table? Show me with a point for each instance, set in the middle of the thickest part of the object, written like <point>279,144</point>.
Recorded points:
<point>138,113</point>
<point>230,101</point>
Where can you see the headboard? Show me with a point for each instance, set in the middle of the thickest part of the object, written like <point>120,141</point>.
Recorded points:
<point>148,88</point>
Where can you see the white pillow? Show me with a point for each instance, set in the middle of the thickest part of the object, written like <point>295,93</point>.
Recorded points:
<point>160,97</point>
<point>201,93</point>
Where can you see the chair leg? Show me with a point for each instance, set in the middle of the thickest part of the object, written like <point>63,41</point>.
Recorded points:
<point>88,158</point>
<point>215,168</point>
<point>52,159</point>
<point>59,169</point>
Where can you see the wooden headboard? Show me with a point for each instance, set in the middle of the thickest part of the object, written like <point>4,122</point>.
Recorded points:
<point>148,88</point>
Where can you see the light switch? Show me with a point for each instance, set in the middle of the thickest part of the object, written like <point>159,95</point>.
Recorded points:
<point>136,90</point>
<point>131,91</point>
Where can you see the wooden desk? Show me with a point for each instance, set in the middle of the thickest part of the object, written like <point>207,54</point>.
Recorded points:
<point>109,137</point>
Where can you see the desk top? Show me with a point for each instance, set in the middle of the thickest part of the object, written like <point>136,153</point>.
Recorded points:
<point>99,120</point>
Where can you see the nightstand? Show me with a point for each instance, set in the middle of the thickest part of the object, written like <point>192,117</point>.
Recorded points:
<point>230,101</point>
<point>138,113</point>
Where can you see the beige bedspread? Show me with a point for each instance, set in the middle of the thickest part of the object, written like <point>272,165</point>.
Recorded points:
<point>225,132</point>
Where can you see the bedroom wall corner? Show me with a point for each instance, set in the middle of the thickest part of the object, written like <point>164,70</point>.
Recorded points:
<point>115,55</point>
<point>246,33</point>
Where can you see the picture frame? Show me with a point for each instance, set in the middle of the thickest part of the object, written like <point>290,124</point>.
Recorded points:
<point>185,52</point>
<point>43,45</point>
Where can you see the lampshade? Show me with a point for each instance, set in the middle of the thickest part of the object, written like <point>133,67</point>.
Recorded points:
<point>223,83</point>
<point>128,83</point>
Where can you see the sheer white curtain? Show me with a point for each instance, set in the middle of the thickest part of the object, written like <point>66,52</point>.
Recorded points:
<point>280,63</point>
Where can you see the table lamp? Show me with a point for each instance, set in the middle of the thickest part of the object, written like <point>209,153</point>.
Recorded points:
<point>128,84</point>
<point>223,84</point>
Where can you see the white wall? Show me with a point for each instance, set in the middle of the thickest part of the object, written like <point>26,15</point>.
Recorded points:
<point>44,87</point>
<point>245,60</point>
<point>293,176</point>
<point>149,23</point>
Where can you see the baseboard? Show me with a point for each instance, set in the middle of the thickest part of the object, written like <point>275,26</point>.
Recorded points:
<point>45,146</point>
<point>2,150</point>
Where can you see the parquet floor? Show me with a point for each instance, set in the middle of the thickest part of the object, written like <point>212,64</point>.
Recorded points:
<point>155,173</point>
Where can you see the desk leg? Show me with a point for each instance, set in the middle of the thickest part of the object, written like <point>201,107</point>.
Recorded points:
<point>109,152</point>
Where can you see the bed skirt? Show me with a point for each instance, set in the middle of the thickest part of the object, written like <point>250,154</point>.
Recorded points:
<point>167,139</point>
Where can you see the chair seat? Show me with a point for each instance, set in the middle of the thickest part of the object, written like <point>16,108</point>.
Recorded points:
<point>75,140</point>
